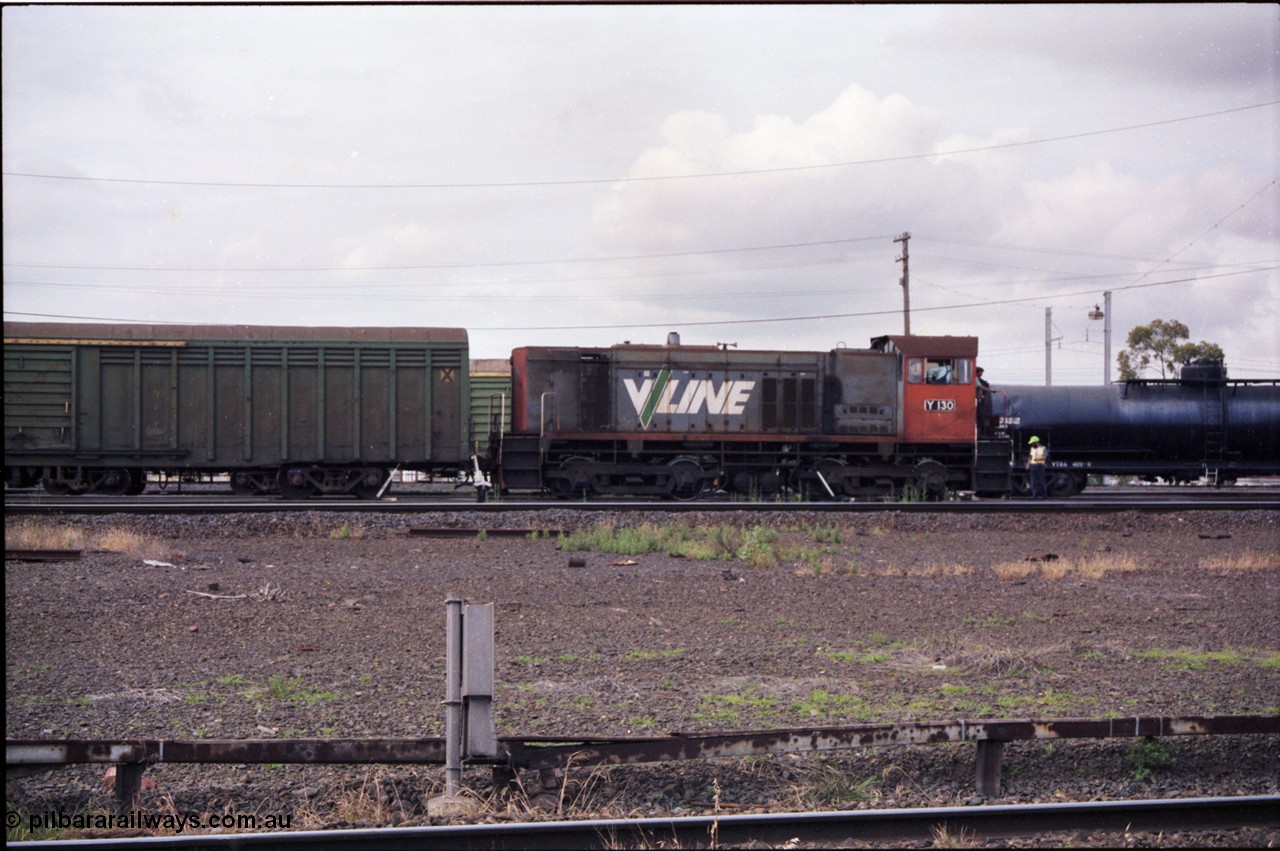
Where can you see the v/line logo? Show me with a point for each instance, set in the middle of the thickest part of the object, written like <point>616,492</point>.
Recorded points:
<point>662,395</point>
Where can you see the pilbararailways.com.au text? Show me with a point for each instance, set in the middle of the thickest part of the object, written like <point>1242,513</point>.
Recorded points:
<point>140,820</point>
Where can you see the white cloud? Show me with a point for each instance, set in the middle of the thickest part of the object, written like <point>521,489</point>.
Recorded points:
<point>547,96</point>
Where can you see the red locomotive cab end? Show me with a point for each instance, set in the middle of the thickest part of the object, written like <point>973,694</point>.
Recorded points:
<point>938,397</point>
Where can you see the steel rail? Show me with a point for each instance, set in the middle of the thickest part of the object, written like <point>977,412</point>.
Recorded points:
<point>828,828</point>
<point>241,505</point>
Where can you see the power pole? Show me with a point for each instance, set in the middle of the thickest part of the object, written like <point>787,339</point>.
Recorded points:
<point>906,282</point>
<point>1048,347</point>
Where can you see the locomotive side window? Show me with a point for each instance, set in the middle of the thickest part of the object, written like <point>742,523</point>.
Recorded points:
<point>940,370</point>
<point>915,370</point>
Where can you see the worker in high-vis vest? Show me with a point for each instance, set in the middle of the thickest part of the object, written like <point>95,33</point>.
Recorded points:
<point>1037,461</point>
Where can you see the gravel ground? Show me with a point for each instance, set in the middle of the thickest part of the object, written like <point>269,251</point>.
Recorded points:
<point>320,624</point>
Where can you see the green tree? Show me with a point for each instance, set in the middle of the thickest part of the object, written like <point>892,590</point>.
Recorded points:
<point>1159,345</point>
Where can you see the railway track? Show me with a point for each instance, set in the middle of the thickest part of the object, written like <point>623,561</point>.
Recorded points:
<point>789,830</point>
<point>207,502</point>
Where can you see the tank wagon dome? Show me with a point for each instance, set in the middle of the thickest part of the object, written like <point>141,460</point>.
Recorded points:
<point>1204,371</point>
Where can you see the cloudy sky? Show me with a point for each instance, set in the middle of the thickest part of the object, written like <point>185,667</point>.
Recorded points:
<point>588,175</point>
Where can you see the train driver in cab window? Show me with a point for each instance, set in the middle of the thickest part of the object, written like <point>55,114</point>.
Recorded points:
<point>940,371</point>
<point>949,371</point>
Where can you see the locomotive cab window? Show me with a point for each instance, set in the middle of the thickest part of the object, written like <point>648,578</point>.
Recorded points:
<point>940,371</point>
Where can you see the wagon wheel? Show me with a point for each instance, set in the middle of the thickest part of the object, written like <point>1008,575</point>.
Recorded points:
<point>115,482</point>
<point>368,489</point>
<point>139,483</point>
<point>55,487</point>
<point>242,484</point>
<point>685,479</point>
<point>294,483</point>
<point>1062,485</point>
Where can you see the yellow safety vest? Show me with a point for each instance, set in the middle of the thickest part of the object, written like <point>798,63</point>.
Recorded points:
<point>1038,454</point>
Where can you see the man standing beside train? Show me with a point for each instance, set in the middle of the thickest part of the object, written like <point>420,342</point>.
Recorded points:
<point>1037,461</point>
<point>983,387</point>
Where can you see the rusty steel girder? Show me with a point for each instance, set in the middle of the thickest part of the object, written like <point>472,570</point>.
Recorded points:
<point>540,753</point>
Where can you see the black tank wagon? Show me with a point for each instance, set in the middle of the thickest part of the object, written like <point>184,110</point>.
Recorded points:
<point>96,408</point>
<point>1201,424</point>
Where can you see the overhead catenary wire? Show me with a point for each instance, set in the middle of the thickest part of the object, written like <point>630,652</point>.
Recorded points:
<point>645,178</point>
<point>781,319</point>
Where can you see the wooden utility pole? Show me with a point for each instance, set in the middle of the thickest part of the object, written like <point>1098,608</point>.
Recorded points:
<point>906,282</point>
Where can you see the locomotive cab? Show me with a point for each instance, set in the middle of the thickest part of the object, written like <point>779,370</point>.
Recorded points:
<point>938,395</point>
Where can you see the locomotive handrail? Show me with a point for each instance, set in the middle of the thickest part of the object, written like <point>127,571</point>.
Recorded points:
<point>542,413</point>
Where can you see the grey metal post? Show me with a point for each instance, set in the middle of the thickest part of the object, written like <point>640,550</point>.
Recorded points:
<point>1048,347</point>
<point>1106,338</point>
<point>453,727</point>
<point>990,755</point>
<point>477,681</point>
<point>128,790</point>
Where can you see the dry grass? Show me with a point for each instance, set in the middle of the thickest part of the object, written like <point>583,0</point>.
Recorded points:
<point>1015,570</point>
<point>131,543</point>
<point>30,535</point>
<point>954,569</point>
<point>984,660</point>
<point>943,837</point>
<point>1249,560</point>
<point>373,800</point>
<point>1094,567</point>
<point>45,535</point>
<point>370,802</point>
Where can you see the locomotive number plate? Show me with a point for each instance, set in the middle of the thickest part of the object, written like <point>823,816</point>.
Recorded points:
<point>941,405</point>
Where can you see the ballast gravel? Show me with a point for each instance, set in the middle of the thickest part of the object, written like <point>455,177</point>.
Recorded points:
<point>316,624</point>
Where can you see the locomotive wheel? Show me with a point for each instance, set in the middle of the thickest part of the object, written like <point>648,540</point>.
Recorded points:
<point>576,479</point>
<point>931,478</point>
<point>832,472</point>
<point>685,478</point>
<point>293,483</point>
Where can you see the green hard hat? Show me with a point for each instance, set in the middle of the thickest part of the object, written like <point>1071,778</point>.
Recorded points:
<point>1034,440</point>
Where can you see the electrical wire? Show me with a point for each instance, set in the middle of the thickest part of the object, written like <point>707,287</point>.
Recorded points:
<point>648,179</point>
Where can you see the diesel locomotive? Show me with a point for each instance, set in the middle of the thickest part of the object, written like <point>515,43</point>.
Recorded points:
<point>679,421</point>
